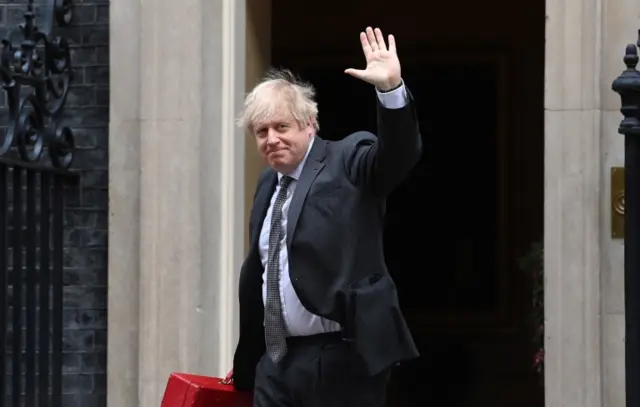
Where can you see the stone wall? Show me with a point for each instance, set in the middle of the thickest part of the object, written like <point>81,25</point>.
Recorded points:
<point>85,271</point>
<point>176,192</point>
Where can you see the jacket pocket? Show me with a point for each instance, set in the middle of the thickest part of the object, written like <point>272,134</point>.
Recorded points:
<point>366,300</point>
<point>374,323</point>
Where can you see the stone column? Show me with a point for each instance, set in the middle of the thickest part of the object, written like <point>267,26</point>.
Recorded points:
<point>177,194</point>
<point>584,266</point>
<point>573,191</point>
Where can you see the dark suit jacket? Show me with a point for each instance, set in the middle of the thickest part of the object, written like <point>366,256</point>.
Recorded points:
<point>334,238</point>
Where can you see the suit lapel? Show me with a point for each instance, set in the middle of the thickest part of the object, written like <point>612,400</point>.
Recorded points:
<point>310,171</point>
<point>261,205</point>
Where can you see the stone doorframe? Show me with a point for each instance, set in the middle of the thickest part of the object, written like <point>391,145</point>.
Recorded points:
<point>584,273</point>
<point>178,169</point>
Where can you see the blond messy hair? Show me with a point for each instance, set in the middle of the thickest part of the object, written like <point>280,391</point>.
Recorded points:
<point>279,93</point>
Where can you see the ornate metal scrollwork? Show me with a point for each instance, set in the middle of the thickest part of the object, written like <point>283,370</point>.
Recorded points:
<point>35,76</point>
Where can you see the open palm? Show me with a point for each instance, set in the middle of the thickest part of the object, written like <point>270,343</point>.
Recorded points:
<point>383,66</point>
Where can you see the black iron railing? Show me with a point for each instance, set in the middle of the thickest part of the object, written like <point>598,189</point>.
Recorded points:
<point>35,75</point>
<point>627,85</point>
<point>31,260</point>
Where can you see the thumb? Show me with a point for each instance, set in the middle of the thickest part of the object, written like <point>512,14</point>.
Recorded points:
<point>356,73</point>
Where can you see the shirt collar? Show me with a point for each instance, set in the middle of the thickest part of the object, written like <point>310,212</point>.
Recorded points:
<point>295,174</point>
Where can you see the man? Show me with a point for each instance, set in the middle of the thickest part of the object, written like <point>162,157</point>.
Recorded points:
<point>320,323</point>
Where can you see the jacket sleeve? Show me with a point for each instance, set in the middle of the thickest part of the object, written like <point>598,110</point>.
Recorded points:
<point>381,163</point>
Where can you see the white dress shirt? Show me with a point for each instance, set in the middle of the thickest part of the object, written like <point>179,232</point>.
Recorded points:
<point>298,320</point>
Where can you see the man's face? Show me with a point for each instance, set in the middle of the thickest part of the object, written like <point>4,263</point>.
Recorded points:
<point>282,142</point>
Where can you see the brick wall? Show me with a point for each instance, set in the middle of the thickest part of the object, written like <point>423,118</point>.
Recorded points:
<point>85,273</point>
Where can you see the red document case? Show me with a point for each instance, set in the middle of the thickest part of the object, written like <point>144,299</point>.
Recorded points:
<point>187,390</point>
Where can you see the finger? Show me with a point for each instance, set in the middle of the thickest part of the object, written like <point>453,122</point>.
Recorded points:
<point>372,39</point>
<point>356,73</point>
<point>392,44</point>
<point>380,39</point>
<point>366,47</point>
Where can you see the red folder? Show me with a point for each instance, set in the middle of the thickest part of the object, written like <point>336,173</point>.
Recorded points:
<point>187,390</point>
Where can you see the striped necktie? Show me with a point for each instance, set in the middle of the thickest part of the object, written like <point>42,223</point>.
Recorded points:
<point>273,323</point>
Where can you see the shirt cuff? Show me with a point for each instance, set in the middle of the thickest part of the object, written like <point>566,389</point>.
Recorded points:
<point>396,99</point>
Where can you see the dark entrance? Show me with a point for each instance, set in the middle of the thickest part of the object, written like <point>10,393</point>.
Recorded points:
<point>471,208</point>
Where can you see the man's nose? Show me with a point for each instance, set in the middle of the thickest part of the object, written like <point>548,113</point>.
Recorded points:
<point>272,137</point>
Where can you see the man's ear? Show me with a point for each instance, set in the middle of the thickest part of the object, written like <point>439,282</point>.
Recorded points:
<point>310,126</point>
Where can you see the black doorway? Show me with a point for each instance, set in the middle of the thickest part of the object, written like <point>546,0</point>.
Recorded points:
<point>444,242</point>
<point>457,226</point>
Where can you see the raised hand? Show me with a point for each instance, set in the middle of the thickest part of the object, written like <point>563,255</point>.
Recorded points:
<point>383,66</point>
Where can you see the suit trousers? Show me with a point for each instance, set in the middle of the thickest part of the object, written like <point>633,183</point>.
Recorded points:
<point>318,371</point>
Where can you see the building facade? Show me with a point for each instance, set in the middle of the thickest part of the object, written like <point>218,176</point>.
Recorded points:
<point>155,125</point>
